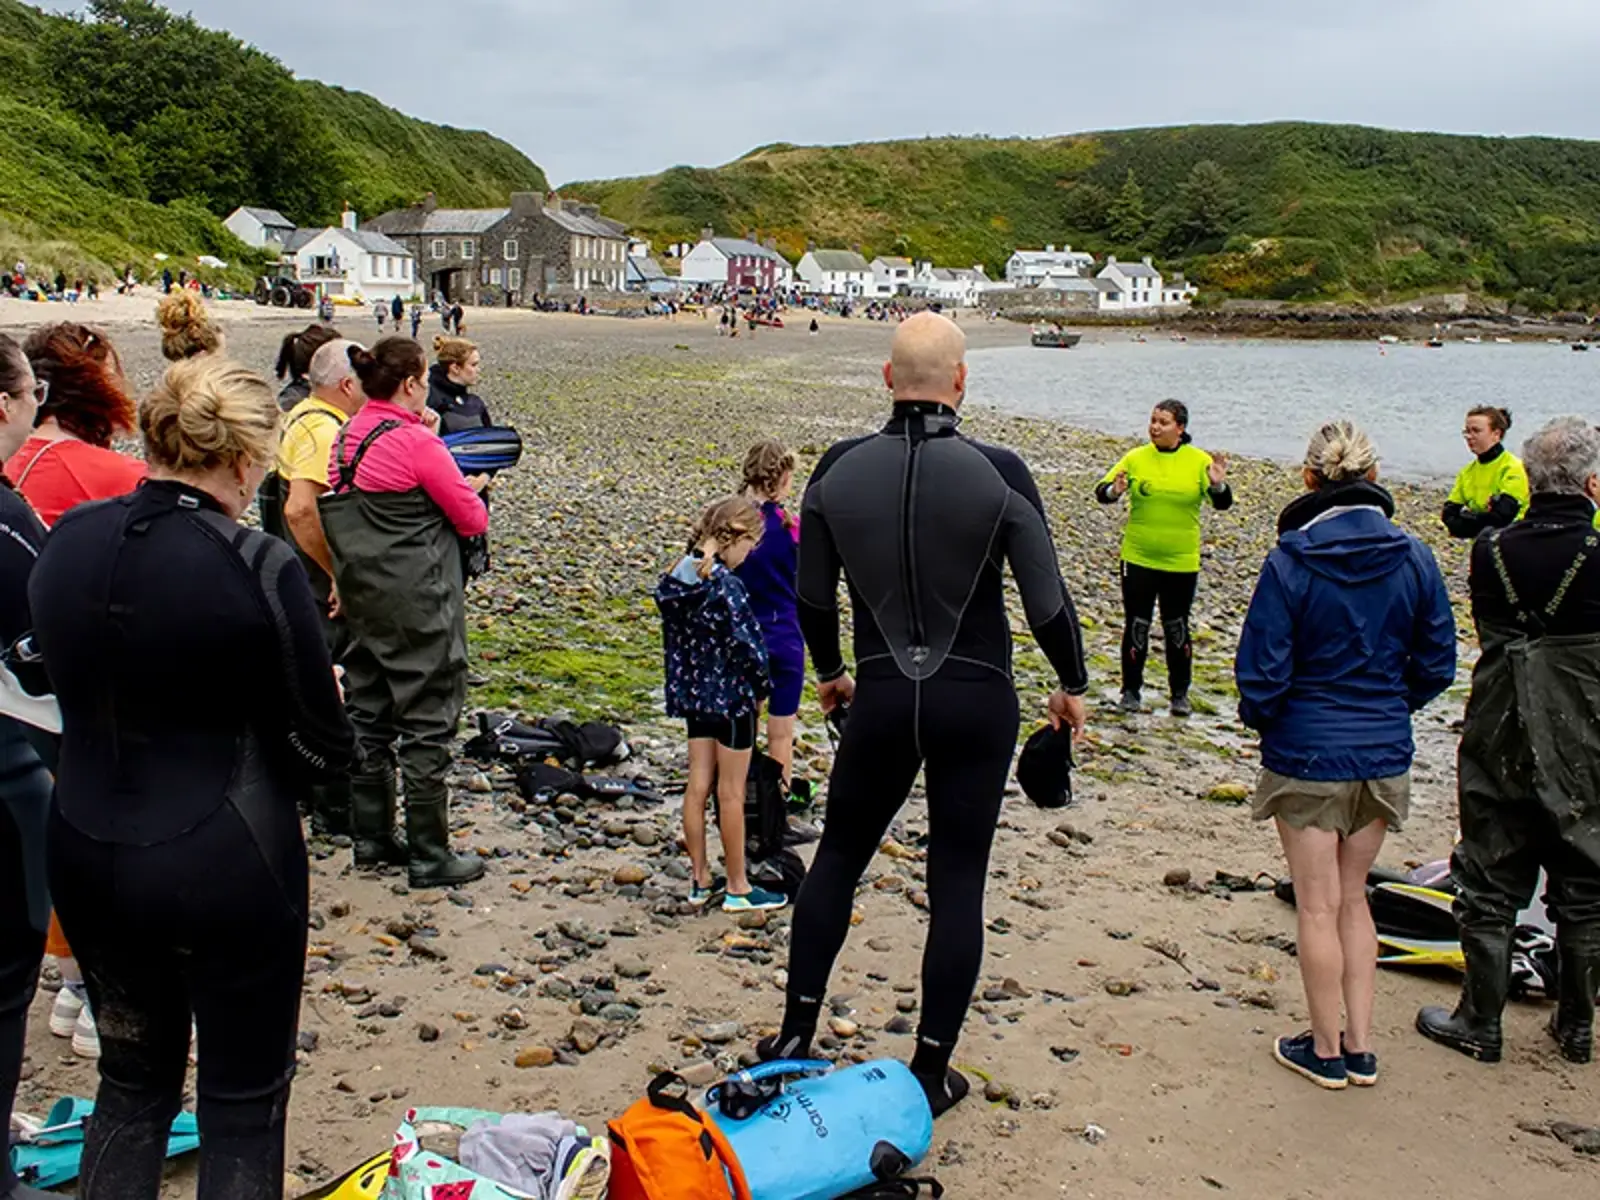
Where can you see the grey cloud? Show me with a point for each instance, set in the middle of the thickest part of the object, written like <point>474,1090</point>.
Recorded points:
<point>597,88</point>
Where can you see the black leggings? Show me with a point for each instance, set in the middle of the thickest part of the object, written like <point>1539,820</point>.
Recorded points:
<point>963,731</point>
<point>1141,588</point>
<point>213,924</point>
<point>24,904</point>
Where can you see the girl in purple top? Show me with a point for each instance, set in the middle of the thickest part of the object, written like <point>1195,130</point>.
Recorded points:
<point>768,575</point>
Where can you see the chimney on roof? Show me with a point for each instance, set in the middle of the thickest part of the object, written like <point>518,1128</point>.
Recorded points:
<point>810,245</point>
<point>430,203</point>
<point>770,243</point>
<point>1147,261</point>
<point>1111,260</point>
<point>588,210</point>
<point>749,235</point>
<point>524,203</point>
<point>347,219</point>
<point>1050,248</point>
<point>707,233</point>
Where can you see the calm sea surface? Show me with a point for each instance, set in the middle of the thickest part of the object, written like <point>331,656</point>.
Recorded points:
<point>1264,398</point>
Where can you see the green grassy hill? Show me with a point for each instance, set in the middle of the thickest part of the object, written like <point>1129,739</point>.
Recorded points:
<point>1292,211</point>
<point>135,132</point>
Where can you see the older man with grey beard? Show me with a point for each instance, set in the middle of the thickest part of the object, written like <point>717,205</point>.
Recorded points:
<point>1529,784</point>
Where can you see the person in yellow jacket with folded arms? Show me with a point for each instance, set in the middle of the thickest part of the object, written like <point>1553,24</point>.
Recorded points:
<point>1167,482</point>
<point>1492,490</point>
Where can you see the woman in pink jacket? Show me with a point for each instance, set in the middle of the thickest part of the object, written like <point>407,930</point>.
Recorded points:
<point>396,515</point>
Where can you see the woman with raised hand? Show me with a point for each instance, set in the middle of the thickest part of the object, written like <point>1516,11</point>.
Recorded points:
<point>1166,481</point>
<point>198,705</point>
<point>1349,632</point>
<point>1492,490</point>
<point>395,514</point>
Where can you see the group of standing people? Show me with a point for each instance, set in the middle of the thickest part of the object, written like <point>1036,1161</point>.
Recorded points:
<point>1349,633</point>
<point>162,826</point>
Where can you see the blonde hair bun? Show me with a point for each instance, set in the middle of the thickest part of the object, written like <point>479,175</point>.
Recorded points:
<point>209,412</point>
<point>186,326</point>
<point>1341,451</point>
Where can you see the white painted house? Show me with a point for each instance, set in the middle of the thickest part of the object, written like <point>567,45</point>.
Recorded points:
<point>891,277</point>
<point>257,227</point>
<point>354,263</point>
<point>834,273</point>
<point>1035,268</point>
<point>959,286</point>
<point>1124,286</point>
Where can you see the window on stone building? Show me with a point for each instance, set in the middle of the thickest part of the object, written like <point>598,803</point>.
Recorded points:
<point>514,279</point>
<point>440,250</point>
<point>494,276</point>
<point>510,251</point>
<point>467,248</point>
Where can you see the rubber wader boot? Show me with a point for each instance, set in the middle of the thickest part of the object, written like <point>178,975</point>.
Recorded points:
<point>330,809</point>
<point>428,834</point>
<point>1474,1028</point>
<point>372,805</point>
<point>1572,1025</point>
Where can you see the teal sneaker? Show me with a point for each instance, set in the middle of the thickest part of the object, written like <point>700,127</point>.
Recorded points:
<point>755,900</point>
<point>702,896</point>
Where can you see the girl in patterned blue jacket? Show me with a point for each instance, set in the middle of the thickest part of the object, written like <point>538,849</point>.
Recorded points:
<point>716,668</point>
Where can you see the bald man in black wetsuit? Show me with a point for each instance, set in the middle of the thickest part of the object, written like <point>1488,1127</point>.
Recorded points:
<point>919,520</point>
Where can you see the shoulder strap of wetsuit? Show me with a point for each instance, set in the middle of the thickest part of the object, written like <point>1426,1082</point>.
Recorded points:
<point>347,470</point>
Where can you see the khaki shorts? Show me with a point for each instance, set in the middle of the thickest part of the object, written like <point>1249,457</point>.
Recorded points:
<point>1341,806</point>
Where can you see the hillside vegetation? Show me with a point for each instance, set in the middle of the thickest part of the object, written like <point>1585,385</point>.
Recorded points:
<point>1288,211</point>
<point>131,130</point>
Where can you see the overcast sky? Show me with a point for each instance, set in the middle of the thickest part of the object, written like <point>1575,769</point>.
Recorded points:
<point>599,88</point>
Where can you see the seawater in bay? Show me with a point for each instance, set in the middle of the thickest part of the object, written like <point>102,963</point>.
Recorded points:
<point>1264,398</point>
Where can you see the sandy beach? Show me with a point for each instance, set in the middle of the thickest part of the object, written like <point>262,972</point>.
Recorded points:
<point>1109,998</point>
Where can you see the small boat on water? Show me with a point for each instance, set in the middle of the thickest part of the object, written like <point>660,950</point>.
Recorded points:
<point>1473,341</point>
<point>1434,343</point>
<point>1502,341</point>
<point>1056,338</point>
<point>1389,339</point>
<point>1580,345</point>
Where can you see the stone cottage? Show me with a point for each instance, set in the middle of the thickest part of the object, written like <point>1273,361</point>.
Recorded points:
<point>506,256</point>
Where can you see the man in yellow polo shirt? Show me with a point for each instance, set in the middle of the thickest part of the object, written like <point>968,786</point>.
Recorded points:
<point>309,431</point>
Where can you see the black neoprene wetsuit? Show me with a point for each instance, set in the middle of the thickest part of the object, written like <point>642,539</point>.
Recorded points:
<point>198,703</point>
<point>920,521</point>
<point>24,807</point>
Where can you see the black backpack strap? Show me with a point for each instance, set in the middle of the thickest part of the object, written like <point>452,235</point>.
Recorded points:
<point>906,1187</point>
<point>347,470</point>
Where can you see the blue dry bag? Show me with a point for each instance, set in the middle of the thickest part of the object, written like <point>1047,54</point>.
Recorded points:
<point>825,1137</point>
<point>485,450</point>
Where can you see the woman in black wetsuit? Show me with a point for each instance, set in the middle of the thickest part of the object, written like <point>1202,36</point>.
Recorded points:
<point>198,704</point>
<point>24,782</point>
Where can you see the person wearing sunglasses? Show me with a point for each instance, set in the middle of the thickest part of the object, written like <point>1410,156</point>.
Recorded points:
<point>83,405</point>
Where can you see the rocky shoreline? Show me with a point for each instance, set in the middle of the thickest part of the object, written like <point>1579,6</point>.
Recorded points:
<point>1127,987</point>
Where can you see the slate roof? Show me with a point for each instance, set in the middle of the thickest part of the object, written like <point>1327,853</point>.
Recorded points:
<point>1035,257</point>
<point>744,248</point>
<point>590,226</point>
<point>894,264</point>
<point>840,260</point>
<point>1107,285</point>
<point>367,239</point>
<point>270,217</point>
<point>645,268</point>
<point>1136,270</point>
<point>1077,283</point>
